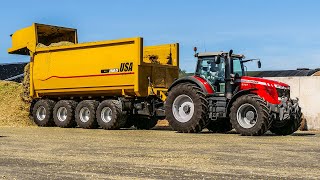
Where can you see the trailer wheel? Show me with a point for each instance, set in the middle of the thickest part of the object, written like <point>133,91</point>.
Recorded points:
<point>42,112</point>
<point>86,114</point>
<point>186,108</point>
<point>287,127</point>
<point>143,122</point>
<point>63,113</point>
<point>250,115</point>
<point>110,114</point>
<point>220,126</point>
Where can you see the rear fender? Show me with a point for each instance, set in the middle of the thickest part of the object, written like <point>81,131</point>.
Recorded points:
<point>200,82</point>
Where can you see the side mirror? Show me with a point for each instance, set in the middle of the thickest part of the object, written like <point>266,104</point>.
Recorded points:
<point>217,59</point>
<point>230,53</point>
<point>259,64</point>
<point>195,49</point>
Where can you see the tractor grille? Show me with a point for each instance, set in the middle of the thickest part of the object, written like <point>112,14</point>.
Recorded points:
<point>283,92</point>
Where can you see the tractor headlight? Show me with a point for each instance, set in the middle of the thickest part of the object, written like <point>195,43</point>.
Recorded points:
<point>281,87</point>
<point>282,91</point>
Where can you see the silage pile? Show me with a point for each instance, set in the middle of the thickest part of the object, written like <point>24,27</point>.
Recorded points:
<point>13,110</point>
<point>62,43</point>
<point>26,85</point>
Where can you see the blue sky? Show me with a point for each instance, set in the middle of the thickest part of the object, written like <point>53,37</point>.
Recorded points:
<point>284,34</point>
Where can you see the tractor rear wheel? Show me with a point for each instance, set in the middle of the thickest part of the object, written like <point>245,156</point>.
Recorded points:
<point>250,115</point>
<point>288,126</point>
<point>186,108</point>
<point>220,126</point>
<point>110,115</point>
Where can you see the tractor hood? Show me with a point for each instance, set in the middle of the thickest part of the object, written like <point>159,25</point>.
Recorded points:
<point>263,81</point>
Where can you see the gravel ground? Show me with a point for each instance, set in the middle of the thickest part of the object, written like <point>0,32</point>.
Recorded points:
<point>56,153</point>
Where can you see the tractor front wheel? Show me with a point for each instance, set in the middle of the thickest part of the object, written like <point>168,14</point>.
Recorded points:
<point>250,115</point>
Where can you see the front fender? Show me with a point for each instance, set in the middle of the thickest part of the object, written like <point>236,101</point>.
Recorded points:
<point>238,94</point>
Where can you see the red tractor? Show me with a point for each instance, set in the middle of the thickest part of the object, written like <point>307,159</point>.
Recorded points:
<point>221,97</point>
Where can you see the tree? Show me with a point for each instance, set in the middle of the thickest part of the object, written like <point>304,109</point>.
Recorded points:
<point>182,73</point>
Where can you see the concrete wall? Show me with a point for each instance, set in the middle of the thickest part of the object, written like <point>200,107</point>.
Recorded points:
<point>307,89</point>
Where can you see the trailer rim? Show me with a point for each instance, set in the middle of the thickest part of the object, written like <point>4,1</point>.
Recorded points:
<point>62,114</point>
<point>41,113</point>
<point>84,114</point>
<point>106,114</point>
<point>183,108</point>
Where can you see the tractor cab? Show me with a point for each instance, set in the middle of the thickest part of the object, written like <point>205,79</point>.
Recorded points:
<point>212,67</point>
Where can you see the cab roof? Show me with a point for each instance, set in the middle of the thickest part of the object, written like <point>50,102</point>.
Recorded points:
<point>207,54</point>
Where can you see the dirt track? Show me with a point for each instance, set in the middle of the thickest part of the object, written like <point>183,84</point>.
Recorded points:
<point>55,153</point>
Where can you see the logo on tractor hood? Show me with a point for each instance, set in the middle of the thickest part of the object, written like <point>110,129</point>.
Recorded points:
<point>263,81</point>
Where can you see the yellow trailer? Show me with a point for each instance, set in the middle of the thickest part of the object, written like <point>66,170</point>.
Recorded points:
<point>113,83</point>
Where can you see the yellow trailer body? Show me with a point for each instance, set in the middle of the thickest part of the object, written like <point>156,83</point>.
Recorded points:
<point>112,84</point>
<point>107,68</point>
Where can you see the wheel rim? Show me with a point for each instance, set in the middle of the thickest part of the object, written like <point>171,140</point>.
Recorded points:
<point>183,108</point>
<point>247,116</point>
<point>41,113</point>
<point>84,114</point>
<point>106,114</point>
<point>62,113</point>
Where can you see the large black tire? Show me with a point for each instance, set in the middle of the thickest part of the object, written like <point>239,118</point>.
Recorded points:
<point>64,113</point>
<point>287,127</point>
<point>199,118</point>
<point>86,114</point>
<point>220,126</point>
<point>42,112</point>
<point>260,116</point>
<point>130,121</point>
<point>142,122</point>
<point>110,114</point>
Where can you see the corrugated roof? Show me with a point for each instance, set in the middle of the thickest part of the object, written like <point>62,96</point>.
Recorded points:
<point>10,71</point>
<point>285,73</point>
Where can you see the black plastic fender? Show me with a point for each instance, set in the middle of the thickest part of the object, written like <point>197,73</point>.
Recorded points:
<point>238,94</point>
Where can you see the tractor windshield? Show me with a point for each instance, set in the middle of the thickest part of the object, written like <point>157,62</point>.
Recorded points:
<point>208,69</point>
<point>215,73</point>
<point>237,67</point>
<point>212,72</point>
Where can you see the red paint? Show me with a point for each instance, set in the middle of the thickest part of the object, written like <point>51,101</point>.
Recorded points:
<point>264,80</point>
<point>205,84</point>
<point>84,76</point>
<point>265,88</point>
